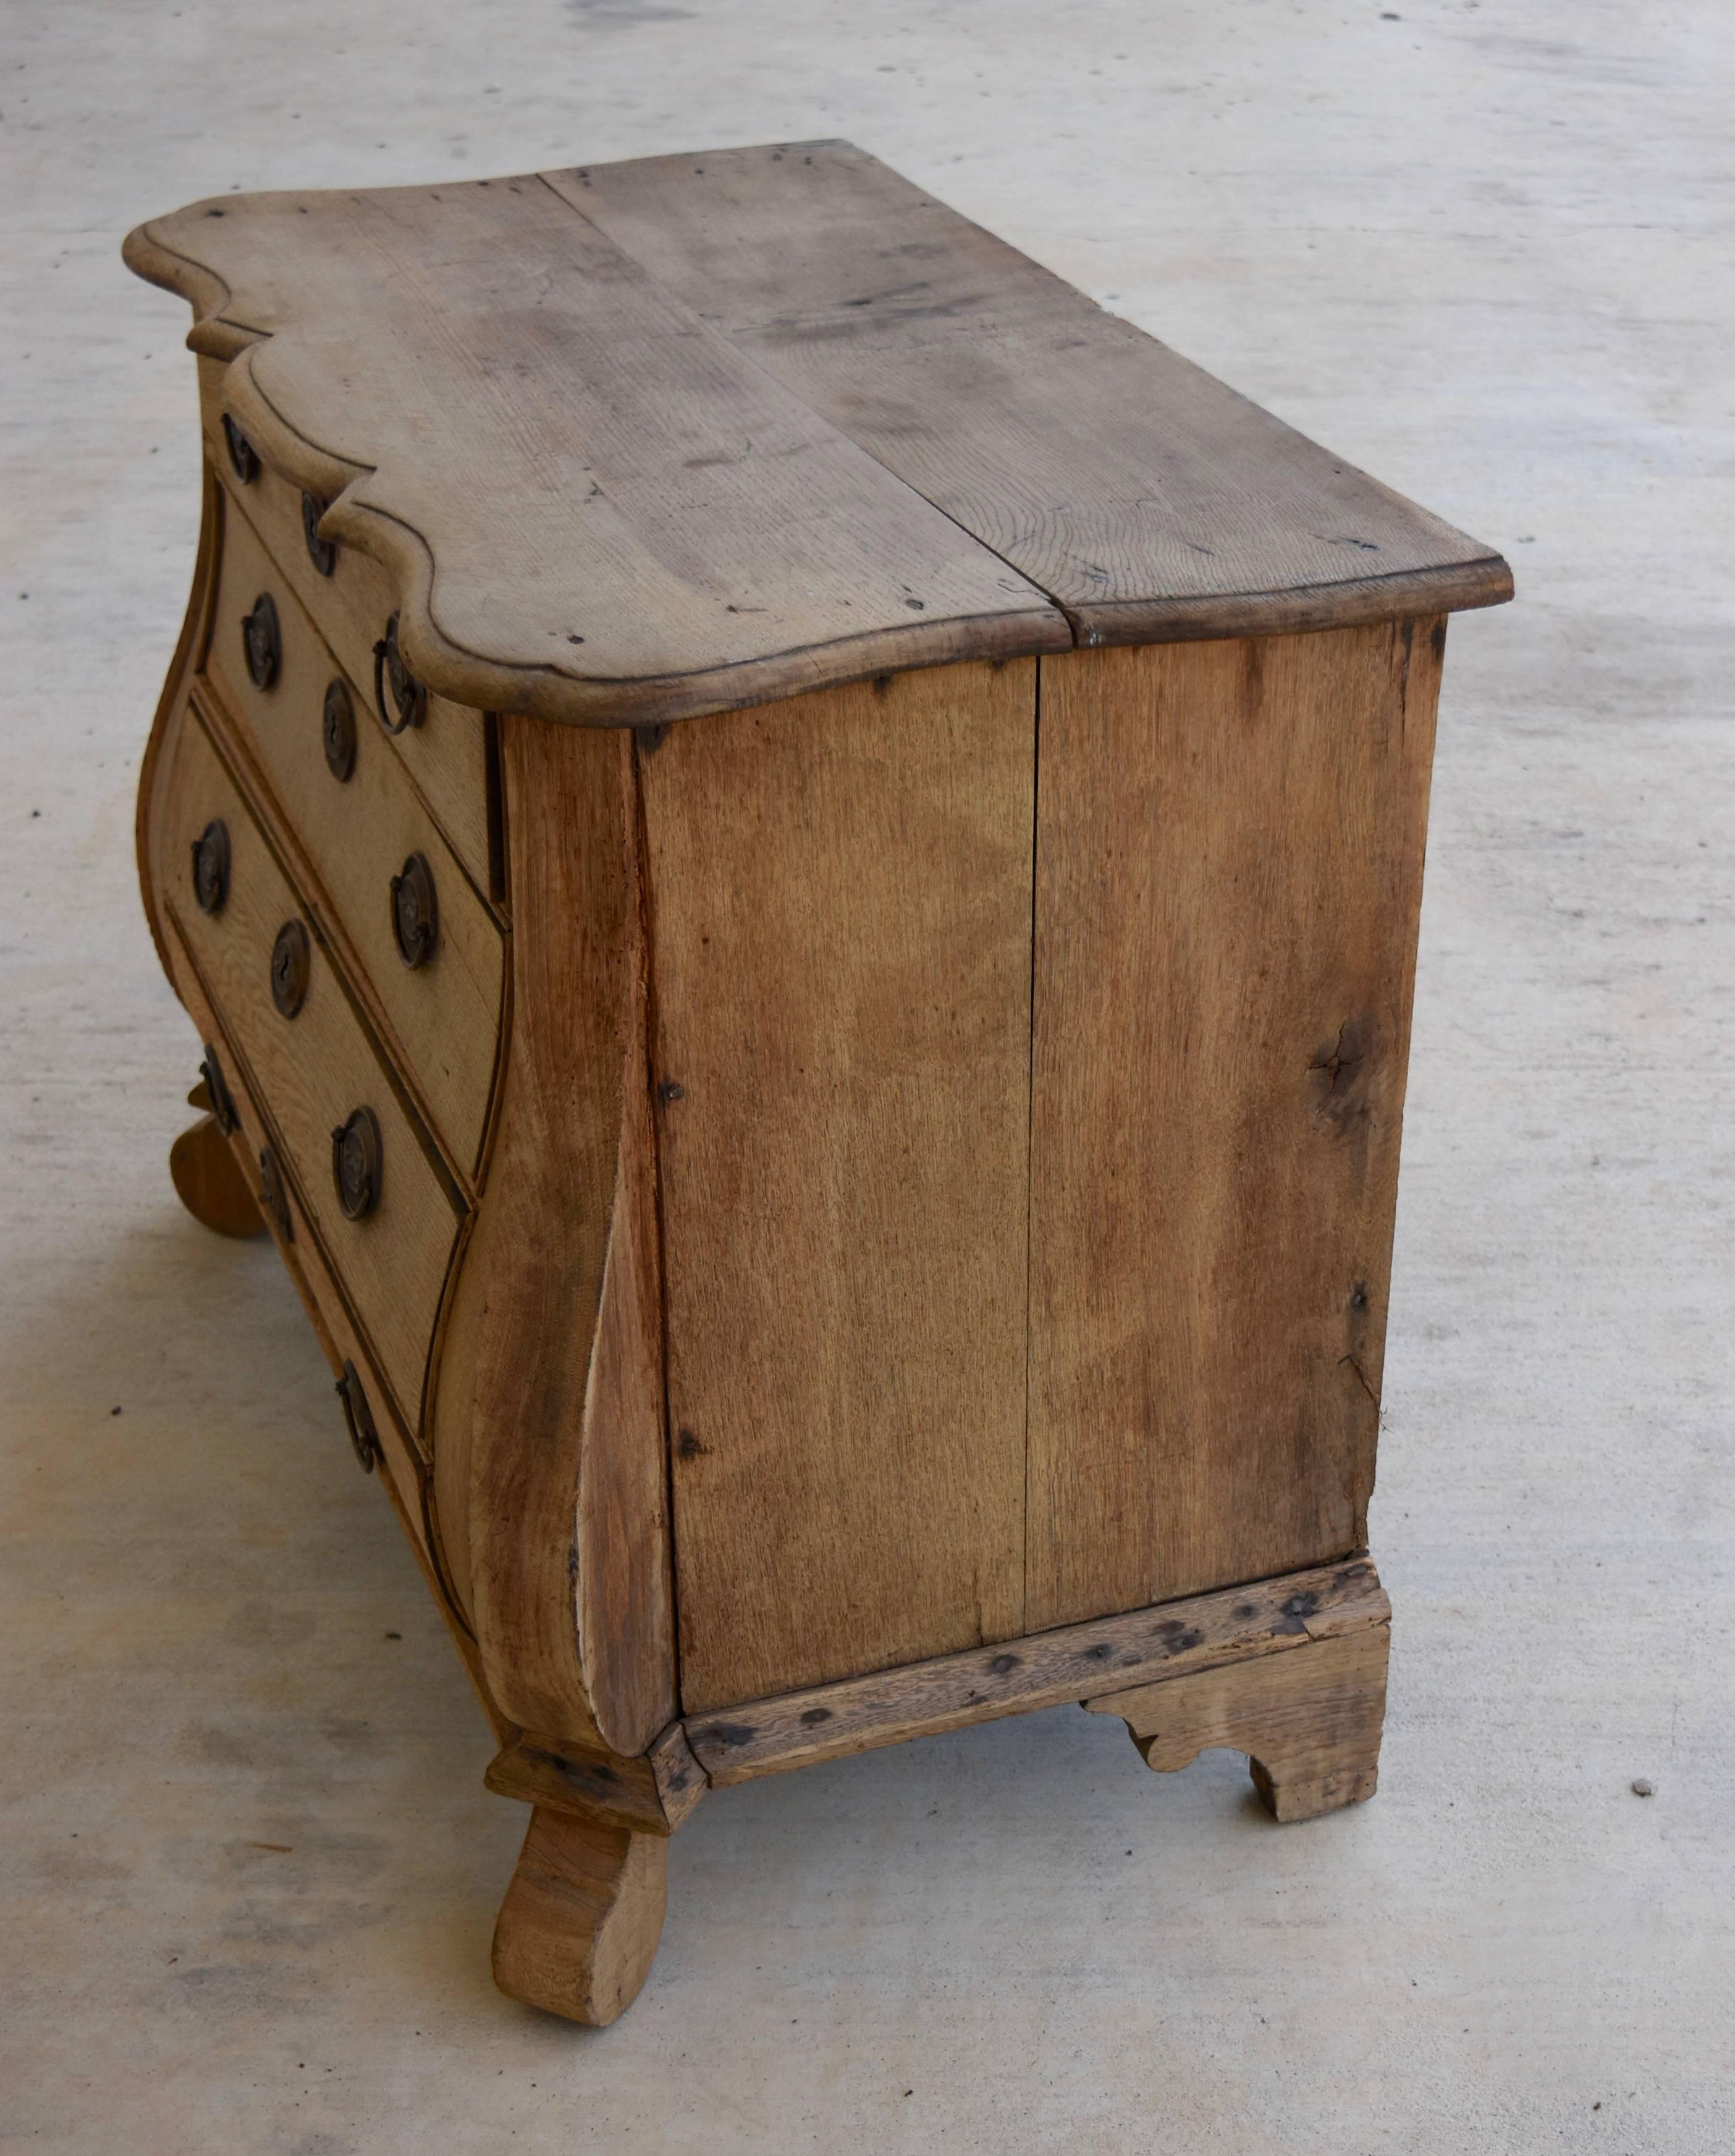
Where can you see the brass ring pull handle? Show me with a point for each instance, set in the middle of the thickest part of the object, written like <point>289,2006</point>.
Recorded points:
<point>356,1163</point>
<point>243,458</point>
<point>273,1195</point>
<point>291,966</point>
<point>216,1092</point>
<point>359,1416</point>
<point>337,730</point>
<point>321,552</point>
<point>211,866</point>
<point>415,912</point>
<point>410,699</point>
<point>263,640</point>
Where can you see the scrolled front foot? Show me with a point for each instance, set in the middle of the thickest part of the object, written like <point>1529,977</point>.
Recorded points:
<point>578,1929</point>
<point>208,1182</point>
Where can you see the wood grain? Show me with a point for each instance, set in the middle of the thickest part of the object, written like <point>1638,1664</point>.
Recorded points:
<point>342,1337</point>
<point>591,504</point>
<point>840,900</point>
<point>830,1721</point>
<point>578,1929</point>
<point>1310,1724</point>
<point>1147,498</point>
<point>442,1020</point>
<point>1228,876</point>
<point>550,1461</point>
<point>312,1070</point>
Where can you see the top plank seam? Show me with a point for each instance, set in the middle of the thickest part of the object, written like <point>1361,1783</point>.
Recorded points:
<point>632,451</point>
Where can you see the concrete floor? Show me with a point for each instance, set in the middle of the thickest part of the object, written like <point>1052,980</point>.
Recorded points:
<point>249,1868</point>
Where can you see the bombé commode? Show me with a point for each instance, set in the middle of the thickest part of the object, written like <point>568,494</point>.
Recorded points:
<point>796,857</point>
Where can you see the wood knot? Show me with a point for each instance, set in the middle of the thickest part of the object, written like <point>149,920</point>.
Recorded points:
<point>1340,1072</point>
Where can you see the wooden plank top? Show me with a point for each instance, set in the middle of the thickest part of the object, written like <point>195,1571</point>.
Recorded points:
<point>642,441</point>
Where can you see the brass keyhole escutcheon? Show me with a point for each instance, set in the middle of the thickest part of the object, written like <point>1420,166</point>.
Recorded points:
<point>337,730</point>
<point>409,698</point>
<point>243,458</point>
<point>415,912</point>
<point>211,866</point>
<point>321,552</point>
<point>263,640</point>
<point>356,1163</point>
<point>273,1195</point>
<point>292,965</point>
<point>216,1092</point>
<point>359,1416</point>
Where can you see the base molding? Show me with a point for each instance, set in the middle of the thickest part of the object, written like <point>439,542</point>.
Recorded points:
<point>1269,1617</point>
<point>1290,1672</point>
<point>1310,1722</point>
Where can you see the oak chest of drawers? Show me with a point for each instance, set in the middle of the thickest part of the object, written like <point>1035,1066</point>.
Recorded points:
<point>797,859</point>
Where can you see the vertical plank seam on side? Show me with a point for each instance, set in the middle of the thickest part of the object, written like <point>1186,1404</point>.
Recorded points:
<point>750,358</point>
<point>647,943</point>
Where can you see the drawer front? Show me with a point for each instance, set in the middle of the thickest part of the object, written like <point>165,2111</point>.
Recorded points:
<point>401,1465</point>
<point>312,1071</point>
<point>361,832</point>
<point>447,754</point>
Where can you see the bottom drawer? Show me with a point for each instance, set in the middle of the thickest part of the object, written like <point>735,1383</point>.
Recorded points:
<point>296,1238</point>
<point>383,1212</point>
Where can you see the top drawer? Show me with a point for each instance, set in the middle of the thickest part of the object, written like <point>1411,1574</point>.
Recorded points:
<point>441,999</point>
<point>352,600</point>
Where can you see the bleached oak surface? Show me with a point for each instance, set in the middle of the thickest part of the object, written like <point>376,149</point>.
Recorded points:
<point>1380,230</point>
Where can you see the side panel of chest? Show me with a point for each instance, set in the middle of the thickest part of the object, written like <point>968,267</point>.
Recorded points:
<point>840,894</point>
<point>1229,863</point>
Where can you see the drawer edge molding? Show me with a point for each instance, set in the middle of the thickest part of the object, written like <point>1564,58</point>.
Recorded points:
<point>189,657</point>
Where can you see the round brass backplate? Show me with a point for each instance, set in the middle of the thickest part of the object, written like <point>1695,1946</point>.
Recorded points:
<point>222,1101</point>
<point>356,1163</point>
<point>264,641</point>
<point>321,552</point>
<point>291,966</point>
<point>243,458</point>
<point>359,1416</point>
<point>211,866</point>
<point>337,730</point>
<point>415,912</point>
